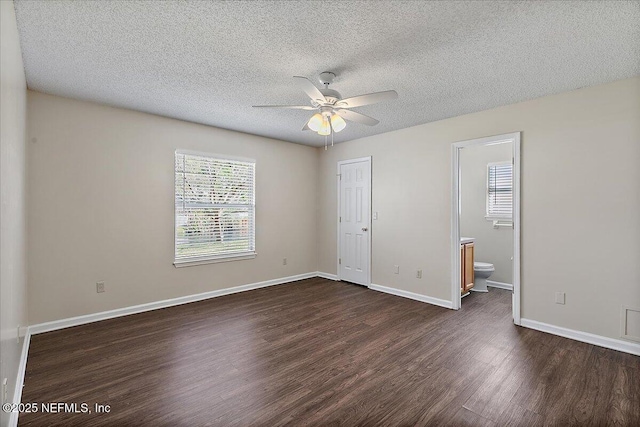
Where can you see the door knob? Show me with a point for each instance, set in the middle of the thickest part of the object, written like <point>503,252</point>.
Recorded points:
<point>364,228</point>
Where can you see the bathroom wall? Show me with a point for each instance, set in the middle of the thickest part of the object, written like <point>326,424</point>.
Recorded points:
<point>494,245</point>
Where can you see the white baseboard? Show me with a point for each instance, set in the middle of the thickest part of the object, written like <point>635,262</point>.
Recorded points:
<point>327,275</point>
<point>22,368</point>
<point>125,311</point>
<point>412,295</point>
<point>599,340</point>
<point>500,285</point>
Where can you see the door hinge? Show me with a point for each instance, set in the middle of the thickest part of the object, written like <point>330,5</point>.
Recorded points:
<point>340,261</point>
<point>340,219</point>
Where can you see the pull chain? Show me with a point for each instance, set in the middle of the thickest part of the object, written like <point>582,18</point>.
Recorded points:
<point>331,130</point>
<point>325,143</point>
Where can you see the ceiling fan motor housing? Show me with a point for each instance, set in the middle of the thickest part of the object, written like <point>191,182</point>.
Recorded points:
<point>331,95</point>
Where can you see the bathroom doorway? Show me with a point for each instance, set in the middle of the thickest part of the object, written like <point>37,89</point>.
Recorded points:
<point>485,219</point>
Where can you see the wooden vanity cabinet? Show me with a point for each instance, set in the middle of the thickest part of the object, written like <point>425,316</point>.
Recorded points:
<point>466,267</point>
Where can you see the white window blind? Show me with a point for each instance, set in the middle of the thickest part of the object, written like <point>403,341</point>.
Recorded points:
<point>214,207</point>
<point>500,190</point>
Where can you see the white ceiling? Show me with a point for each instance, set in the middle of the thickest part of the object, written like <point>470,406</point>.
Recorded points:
<point>209,62</point>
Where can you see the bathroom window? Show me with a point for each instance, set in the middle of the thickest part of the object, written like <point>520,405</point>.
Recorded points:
<point>214,208</point>
<point>499,190</point>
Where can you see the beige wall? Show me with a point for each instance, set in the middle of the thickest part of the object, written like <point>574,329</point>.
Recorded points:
<point>580,203</point>
<point>494,245</point>
<point>13,272</point>
<point>101,205</point>
<point>101,185</point>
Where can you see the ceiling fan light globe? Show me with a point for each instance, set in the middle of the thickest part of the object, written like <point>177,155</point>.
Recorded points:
<point>315,122</point>
<point>337,123</point>
<point>325,128</point>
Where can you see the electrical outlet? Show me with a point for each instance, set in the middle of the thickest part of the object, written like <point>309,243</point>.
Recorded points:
<point>419,274</point>
<point>284,261</point>
<point>560,298</point>
<point>100,287</point>
<point>396,269</point>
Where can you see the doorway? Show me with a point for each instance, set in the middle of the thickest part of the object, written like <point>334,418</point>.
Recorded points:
<point>498,215</point>
<point>354,221</point>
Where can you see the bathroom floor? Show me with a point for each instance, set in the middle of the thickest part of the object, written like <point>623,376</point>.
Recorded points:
<point>496,301</point>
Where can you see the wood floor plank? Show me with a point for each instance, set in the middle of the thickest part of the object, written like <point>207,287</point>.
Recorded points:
<point>465,417</point>
<point>492,397</point>
<point>517,416</point>
<point>319,352</point>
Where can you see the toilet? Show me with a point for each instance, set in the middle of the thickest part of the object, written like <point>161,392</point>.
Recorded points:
<point>482,271</point>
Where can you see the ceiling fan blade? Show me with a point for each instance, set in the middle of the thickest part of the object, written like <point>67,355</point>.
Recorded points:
<point>310,89</point>
<point>357,117</point>
<point>368,99</point>
<point>290,107</point>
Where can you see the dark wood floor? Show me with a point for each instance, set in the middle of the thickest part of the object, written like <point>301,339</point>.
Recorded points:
<point>317,352</point>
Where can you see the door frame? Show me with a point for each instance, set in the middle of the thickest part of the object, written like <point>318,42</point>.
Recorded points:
<point>367,159</point>
<point>455,216</point>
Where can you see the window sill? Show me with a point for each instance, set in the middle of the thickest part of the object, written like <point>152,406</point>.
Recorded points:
<point>213,260</point>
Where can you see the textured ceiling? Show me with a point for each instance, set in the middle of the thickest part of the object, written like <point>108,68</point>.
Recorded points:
<point>209,62</point>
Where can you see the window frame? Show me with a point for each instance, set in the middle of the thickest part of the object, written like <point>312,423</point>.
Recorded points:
<point>488,216</point>
<point>223,257</point>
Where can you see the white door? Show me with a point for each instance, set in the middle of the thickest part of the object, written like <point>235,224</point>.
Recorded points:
<point>353,222</point>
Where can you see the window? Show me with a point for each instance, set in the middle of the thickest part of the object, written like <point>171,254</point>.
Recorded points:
<point>499,190</point>
<point>215,208</point>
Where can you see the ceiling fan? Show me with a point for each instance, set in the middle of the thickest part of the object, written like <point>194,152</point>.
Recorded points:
<point>332,109</point>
